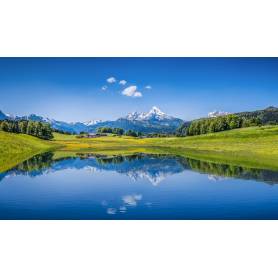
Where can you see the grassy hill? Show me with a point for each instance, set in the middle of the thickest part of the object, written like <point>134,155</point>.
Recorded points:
<point>15,148</point>
<point>254,147</point>
<point>250,147</point>
<point>267,116</point>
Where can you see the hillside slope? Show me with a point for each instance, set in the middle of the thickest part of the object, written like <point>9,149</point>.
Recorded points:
<point>15,148</point>
<point>267,116</point>
<point>255,147</point>
<point>251,147</point>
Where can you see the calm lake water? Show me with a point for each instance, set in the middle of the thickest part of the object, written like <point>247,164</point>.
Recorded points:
<point>136,187</point>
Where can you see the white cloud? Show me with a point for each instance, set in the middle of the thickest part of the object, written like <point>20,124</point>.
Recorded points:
<point>131,91</point>
<point>148,87</point>
<point>132,200</point>
<point>104,88</point>
<point>111,80</point>
<point>123,82</point>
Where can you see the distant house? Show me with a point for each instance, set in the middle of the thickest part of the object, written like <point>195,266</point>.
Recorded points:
<point>101,134</point>
<point>91,135</point>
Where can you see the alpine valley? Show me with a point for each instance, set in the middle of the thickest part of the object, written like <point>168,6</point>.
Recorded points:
<point>154,121</point>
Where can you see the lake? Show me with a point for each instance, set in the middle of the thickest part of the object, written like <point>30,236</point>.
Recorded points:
<point>135,187</point>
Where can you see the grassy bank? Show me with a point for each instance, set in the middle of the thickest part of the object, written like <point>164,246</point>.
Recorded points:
<point>255,147</point>
<point>250,147</point>
<point>15,148</point>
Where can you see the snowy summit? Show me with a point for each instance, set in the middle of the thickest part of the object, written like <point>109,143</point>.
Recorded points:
<point>216,113</point>
<point>154,113</point>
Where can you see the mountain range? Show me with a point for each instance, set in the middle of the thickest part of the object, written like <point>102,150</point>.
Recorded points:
<point>154,121</point>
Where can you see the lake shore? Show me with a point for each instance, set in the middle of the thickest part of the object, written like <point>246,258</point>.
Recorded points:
<point>255,147</point>
<point>250,147</point>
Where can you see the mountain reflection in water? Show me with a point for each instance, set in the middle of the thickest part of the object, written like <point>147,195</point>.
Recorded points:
<point>155,168</point>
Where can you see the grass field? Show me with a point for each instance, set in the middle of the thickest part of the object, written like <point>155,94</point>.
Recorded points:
<point>250,147</point>
<point>15,148</point>
<point>255,147</point>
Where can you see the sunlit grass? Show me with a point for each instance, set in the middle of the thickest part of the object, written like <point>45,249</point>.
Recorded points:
<point>15,148</point>
<point>251,147</point>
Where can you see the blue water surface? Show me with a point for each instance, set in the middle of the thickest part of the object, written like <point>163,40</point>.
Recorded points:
<point>136,187</point>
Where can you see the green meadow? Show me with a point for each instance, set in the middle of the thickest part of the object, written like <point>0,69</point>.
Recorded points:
<point>15,148</point>
<point>255,147</point>
<point>250,147</point>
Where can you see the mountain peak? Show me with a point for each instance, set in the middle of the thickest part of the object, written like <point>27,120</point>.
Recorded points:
<point>155,113</point>
<point>133,116</point>
<point>92,122</point>
<point>217,113</point>
<point>156,110</point>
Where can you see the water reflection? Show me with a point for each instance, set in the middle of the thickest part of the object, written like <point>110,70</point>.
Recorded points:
<point>128,201</point>
<point>87,186</point>
<point>154,168</point>
<point>221,171</point>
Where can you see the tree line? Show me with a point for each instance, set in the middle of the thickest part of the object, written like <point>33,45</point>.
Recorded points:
<point>119,131</point>
<point>63,131</point>
<point>116,130</point>
<point>221,123</point>
<point>134,133</point>
<point>37,129</point>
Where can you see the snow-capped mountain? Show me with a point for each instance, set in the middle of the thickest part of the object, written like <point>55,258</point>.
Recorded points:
<point>74,127</point>
<point>216,113</point>
<point>154,121</point>
<point>154,114</point>
<point>92,122</point>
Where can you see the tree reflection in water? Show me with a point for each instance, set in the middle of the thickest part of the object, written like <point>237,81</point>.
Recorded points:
<point>153,167</point>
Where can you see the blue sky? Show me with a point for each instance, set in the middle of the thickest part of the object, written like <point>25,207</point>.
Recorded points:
<point>80,89</point>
